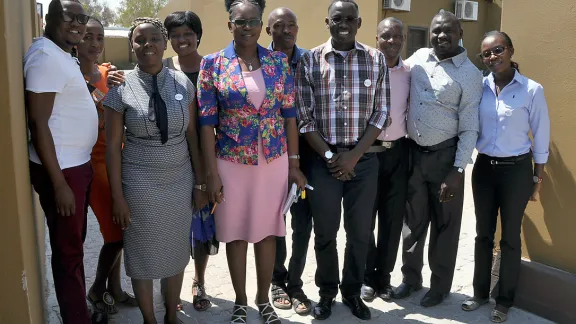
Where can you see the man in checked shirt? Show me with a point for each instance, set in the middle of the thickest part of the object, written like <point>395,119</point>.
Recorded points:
<point>343,97</point>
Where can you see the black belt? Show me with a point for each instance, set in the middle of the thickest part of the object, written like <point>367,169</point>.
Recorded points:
<point>509,160</point>
<point>377,146</point>
<point>437,147</point>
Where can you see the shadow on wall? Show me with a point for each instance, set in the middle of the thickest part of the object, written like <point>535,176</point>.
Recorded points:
<point>558,199</point>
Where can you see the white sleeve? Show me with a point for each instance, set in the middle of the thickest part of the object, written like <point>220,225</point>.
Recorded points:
<point>43,73</point>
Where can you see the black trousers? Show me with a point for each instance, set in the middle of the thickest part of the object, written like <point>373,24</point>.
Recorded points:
<point>506,187</point>
<point>358,197</point>
<point>389,207</point>
<point>429,167</point>
<point>301,230</point>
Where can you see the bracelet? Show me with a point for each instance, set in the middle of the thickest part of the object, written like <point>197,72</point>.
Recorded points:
<point>201,187</point>
<point>295,157</point>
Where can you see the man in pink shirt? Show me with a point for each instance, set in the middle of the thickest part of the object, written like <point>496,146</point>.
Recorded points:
<point>393,170</point>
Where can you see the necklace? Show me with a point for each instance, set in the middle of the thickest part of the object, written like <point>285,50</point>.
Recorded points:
<point>248,63</point>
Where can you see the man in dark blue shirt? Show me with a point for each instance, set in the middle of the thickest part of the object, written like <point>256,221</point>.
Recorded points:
<point>287,283</point>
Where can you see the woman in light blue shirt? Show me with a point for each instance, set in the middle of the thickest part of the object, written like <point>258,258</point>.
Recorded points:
<point>504,178</point>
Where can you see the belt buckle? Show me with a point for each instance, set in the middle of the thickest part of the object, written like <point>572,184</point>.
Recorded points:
<point>493,162</point>
<point>387,145</point>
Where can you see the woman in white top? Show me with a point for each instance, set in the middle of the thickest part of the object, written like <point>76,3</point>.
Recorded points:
<point>504,179</point>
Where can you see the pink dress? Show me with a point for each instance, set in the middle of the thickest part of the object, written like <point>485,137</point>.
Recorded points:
<point>254,194</point>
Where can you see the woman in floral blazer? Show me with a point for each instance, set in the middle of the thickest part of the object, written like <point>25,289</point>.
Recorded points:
<point>246,93</point>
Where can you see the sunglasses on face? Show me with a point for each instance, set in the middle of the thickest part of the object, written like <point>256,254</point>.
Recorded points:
<point>70,16</point>
<point>247,22</point>
<point>498,50</point>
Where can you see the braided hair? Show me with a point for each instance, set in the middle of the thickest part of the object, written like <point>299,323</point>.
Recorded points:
<point>146,20</point>
<point>230,4</point>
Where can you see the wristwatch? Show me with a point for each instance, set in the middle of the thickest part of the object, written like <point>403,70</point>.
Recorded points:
<point>201,187</point>
<point>328,155</point>
<point>294,157</point>
<point>459,170</point>
<point>536,179</point>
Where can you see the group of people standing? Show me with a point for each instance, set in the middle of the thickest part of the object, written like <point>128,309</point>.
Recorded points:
<point>186,152</point>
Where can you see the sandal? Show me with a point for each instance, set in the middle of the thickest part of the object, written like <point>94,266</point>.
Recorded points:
<point>239,314</point>
<point>104,305</point>
<point>473,303</point>
<point>268,314</point>
<point>279,297</point>
<point>498,316</point>
<point>200,299</point>
<point>300,299</point>
<point>128,299</point>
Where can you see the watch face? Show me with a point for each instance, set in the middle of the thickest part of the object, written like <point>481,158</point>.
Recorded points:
<point>328,155</point>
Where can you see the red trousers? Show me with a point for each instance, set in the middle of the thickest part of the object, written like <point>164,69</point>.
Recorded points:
<point>67,236</point>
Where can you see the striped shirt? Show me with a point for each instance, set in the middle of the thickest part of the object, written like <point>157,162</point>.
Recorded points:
<point>339,96</point>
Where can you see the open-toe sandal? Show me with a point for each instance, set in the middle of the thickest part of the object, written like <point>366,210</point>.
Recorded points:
<point>200,299</point>
<point>104,305</point>
<point>473,303</point>
<point>239,314</point>
<point>280,297</point>
<point>301,304</point>
<point>268,314</point>
<point>498,316</point>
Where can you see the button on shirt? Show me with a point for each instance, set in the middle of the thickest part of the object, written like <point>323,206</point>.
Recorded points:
<point>444,99</point>
<point>340,96</point>
<point>507,119</point>
<point>400,93</point>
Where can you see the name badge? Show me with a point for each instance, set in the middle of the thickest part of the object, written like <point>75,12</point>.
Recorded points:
<point>367,83</point>
<point>178,97</point>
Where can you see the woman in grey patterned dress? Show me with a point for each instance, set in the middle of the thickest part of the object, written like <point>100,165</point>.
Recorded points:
<point>152,179</point>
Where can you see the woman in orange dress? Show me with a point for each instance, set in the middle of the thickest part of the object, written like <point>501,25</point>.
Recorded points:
<point>106,289</point>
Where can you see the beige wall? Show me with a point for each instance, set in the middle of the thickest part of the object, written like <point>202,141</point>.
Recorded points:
<point>422,11</point>
<point>311,14</point>
<point>545,52</point>
<point>21,300</point>
<point>117,51</point>
<point>311,20</point>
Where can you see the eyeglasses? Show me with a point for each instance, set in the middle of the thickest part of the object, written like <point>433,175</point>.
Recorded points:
<point>246,22</point>
<point>498,50</point>
<point>70,16</point>
<point>347,20</point>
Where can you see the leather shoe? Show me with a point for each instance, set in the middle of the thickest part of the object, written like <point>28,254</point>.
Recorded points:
<point>387,292</point>
<point>323,309</point>
<point>432,298</point>
<point>404,290</point>
<point>357,306</point>
<point>367,293</point>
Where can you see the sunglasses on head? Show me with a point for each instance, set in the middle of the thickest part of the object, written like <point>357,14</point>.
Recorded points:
<point>246,22</point>
<point>498,50</point>
<point>70,16</point>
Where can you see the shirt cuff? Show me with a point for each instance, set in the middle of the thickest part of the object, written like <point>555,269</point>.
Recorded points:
<point>288,112</point>
<point>540,158</point>
<point>460,164</point>
<point>378,119</point>
<point>208,120</point>
<point>307,127</point>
